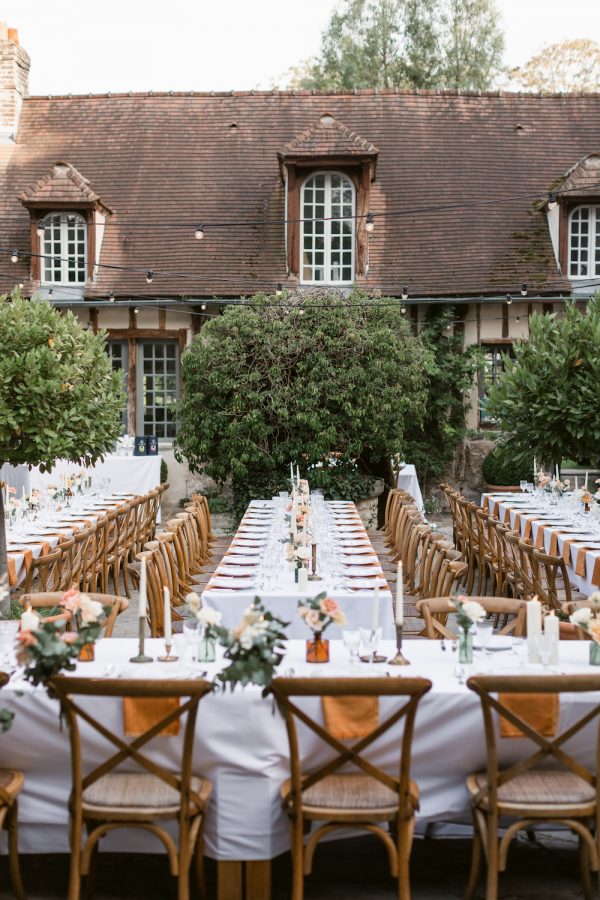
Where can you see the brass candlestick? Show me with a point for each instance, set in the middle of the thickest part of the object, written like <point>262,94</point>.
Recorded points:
<point>141,657</point>
<point>399,659</point>
<point>167,657</point>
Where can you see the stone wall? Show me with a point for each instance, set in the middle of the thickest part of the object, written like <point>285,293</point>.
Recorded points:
<point>464,472</point>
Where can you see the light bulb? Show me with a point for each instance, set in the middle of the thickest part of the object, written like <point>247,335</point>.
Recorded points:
<point>14,256</point>
<point>199,233</point>
<point>508,299</point>
<point>21,285</point>
<point>150,277</point>
<point>135,310</point>
<point>524,289</point>
<point>279,290</point>
<point>300,312</point>
<point>403,309</point>
<point>50,293</point>
<point>518,319</point>
<point>203,306</point>
<point>111,296</point>
<point>552,201</point>
<point>405,293</point>
<point>40,230</point>
<point>370,223</point>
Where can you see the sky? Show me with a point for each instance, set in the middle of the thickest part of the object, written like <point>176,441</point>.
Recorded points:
<point>119,45</point>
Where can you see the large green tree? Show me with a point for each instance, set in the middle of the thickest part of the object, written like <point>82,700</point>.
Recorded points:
<point>561,68</point>
<point>310,377</point>
<point>547,397</point>
<point>456,44</point>
<point>59,397</point>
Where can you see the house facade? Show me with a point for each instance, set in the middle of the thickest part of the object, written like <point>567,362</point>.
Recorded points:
<point>147,213</point>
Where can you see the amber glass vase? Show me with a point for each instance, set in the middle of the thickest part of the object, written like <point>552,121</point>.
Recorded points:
<point>317,650</point>
<point>86,654</point>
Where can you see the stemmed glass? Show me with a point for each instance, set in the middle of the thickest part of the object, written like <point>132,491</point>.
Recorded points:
<point>351,638</point>
<point>485,631</point>
<point>523,485</point>
<point>370,638</point>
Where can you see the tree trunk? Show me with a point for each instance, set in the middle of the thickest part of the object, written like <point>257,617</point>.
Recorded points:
<point>4,586</point>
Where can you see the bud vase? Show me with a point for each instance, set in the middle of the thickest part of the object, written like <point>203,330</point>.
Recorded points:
<point>296,574</point>
<point>317,650</point>
<point>594,653</point>
<point>87,653</point>
<point>207,649</point>
<point>465,646</point>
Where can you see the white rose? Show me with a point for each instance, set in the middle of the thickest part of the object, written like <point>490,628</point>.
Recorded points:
<point>303,552</point>
<point>194,603</point>
<point>89,610</point>
<point>209,616</point>
<point>581,616</point>
<point>473,610</point>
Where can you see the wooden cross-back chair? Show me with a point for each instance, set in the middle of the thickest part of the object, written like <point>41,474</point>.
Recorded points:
<point>11,785</point>
<point>50,599</point>
<point>527,792</point>
<point>104,799</point>
<point>51,571</point>
<point>555,583</point>
<point>368,799</point>
<point>435,611</point>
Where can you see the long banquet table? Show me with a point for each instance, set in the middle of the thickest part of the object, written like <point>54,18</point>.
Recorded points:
<point>231,594</point>
<point>241,743</point>
<point>553,532</point>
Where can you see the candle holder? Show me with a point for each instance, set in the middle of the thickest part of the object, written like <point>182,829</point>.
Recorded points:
<point>167,657</point>
<point>399,659</point>
<point>141,657</point>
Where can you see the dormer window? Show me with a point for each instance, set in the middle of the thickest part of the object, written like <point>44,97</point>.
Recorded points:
<point>327,229</point>
<point>63,248</point>
<point>584,242</point>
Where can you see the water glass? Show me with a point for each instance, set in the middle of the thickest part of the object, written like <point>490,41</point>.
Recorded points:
<point>192,634</point>
<point>370,638</point>
<point>351,638</point>
<point>523,485</point>
<point>8,636</point>
<point>485,631</point>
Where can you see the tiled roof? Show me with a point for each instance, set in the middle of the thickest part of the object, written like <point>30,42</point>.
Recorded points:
<point>328,138</point>
<point>448,165</point>
<point>582,179</point>
<point>64,184</point>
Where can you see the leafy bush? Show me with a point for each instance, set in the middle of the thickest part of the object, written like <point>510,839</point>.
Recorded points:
<point>164,472</point>
<point>316,374</point>
<point>547,397</point>
<point>502,467</point>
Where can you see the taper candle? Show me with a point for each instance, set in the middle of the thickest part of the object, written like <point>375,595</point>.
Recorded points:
<point>399,595</point>
<point>551,627</point>
<point>142,596</point>
<point>168,632</point>
<point>534,628</point>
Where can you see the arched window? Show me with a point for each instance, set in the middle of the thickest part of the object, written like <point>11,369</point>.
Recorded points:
<point>584,242</point>
<point>63,247</point>
<point>327,237</point>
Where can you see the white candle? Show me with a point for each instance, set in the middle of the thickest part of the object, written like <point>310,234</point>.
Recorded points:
<point>375,610</point>
<point>302,579</point>
<point>551,628</point>
<point>167,599</point>
<point>29,620</point>
<point>23,494</point>
<point>399,595</point>
<point>291,473</point>
<point>586,478</point>
<point>576,482</point>
<point>534,629</point>
<point>534,467</point>
<point>298,475</point>
<point>142,596</point>
<point>557,471</point>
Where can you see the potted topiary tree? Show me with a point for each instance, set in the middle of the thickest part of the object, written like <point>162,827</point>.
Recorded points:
<point>59,398</point>
<point>502,471</point>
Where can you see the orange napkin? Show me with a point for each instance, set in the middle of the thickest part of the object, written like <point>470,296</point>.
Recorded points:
<point>528,526</point>
<point>486,503</point>
<point>539,540</point>
<point>554,544</point>
<point>12,568</point>
<point>141,713</point>
<point>538,710</point>
<point>350,717</point>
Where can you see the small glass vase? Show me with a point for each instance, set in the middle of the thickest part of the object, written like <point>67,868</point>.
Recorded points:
<point>87,652</point>
<point>594,653</point>
<point>465,646</point>
<point>317,650</point>
<point>207,649</point>
<point>296,570</point>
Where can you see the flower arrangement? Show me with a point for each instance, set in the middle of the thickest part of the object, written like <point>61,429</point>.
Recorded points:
<point>47,649</point>
<point>320,612</point>
<point>543,481</point>
<point>468,612</point>
<point>588,618</point>
<point>255,648</point>
<point>208,617</point>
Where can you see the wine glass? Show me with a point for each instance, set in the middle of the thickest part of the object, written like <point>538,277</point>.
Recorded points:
<point>351,638</point>
<point>192,634</point>
<point>523,485</point>
<point>370,638</point>
<point>485,631</point>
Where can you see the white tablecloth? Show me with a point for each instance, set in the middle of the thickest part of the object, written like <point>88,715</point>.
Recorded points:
<point>408,481</point>
<point>242,746</point>
<point>507,508</point>
<point>282,600</point>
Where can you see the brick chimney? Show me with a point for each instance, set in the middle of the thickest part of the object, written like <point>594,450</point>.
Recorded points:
<point>14,81</point>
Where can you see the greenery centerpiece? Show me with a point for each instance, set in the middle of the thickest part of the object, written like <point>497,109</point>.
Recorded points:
<point>59,397</point>
<point>255,648</point>
<point>332,380</point>
<point>210,620</point>
<point>319,613</point>
<point>588,618</point>
<point>468,613</point>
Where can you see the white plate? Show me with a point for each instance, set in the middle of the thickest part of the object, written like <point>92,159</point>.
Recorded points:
<point>358,560</point>
<point>238,584</point>
<point>237,571</point>
<point>359,572</point>
<point>367,584</point>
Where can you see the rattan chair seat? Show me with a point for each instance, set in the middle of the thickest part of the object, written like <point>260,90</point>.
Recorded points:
<point>352,792</point>
<point>140,792</point>
<point>539,787</point>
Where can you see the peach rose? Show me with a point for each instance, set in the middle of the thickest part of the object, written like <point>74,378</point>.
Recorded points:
<point>69,637</point>
<point>27,638</point>
<point>329,607</point>
<point>71,600</point>
<point>313,620</point>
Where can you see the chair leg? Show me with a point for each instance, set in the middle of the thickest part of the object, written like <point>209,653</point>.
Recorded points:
<point>585,871</point>
<point>199,861</point>
<point>492,858</point>
<point>126,578</point>
<point>405,837</point>
<point>298,860</point>
<point>74,872</point>
<point>476,854</point>
<point>13,852</point>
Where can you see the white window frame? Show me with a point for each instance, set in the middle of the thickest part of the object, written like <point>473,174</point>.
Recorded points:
<point>327,229</point>
<point>142,426</point>
<point>48,249</point>
<point>593,243</point>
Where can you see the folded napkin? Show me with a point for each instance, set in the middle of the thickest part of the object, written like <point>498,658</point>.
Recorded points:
<point>581,564</point>
<point>541,711</point>
<point>141,713</point>
<point>350,717</point>
<point>12,563</point>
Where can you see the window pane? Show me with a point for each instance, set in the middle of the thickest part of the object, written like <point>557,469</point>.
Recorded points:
<point>326,199</point>
<point>160,387</point>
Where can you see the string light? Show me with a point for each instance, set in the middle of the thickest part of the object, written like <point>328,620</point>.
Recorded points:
<point>14,256</point>
<point>111,296</point>
<point>405,293</point>
<point>199,233</point>
<point>508,299</point>
<point>518,319</point>
<point>40,230</point>
<point>524,289</point>
<point>203,306</point>
<point>370,223</point>
<point>135,310</point>
<point>552,201</point>
<point>149,277</point>
<point>50,294</point>
<point>403,309</point>
<point>279,290</point>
